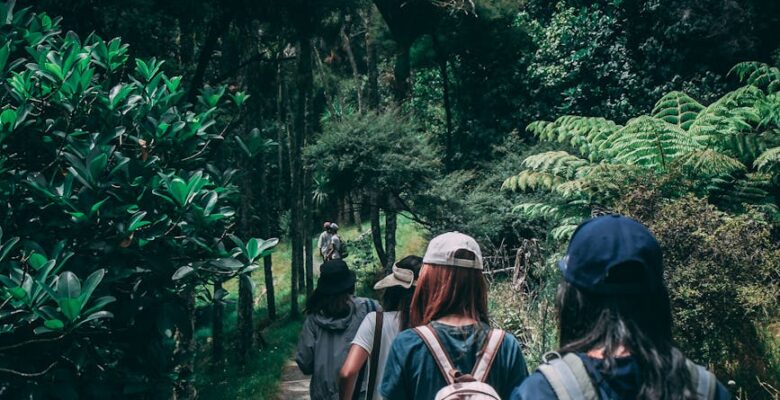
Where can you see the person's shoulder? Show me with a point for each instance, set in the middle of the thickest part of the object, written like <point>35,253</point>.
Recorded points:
<point>534,387</point>
<point>407,338</point>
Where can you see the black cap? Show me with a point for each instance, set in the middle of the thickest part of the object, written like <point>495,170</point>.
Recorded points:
<point>601,244</point>
<point>335,277</point>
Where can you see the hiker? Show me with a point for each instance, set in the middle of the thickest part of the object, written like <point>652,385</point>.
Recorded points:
<point>323,242</point>
<point>333,316</point>
<point>450,311</point>
<point>397,291</point>
<point>335,246</point>
<point>616,324</point>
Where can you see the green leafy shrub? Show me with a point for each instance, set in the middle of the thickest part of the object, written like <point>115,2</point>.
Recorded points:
<point>105,171</point>
<point>721,270</point>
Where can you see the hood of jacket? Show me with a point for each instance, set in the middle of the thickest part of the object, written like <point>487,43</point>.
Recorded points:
<point>335,324</point>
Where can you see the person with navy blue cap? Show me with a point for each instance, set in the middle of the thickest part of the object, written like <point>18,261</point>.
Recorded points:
<point>615,324</point>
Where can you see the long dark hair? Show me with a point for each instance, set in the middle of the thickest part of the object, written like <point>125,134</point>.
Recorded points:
<point>642,324</point>
<point>397,298</point>
<point>445,290</point>
<point>330,305</point>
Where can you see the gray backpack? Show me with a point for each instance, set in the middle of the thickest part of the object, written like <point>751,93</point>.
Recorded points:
<point>464,386</point>
<point>570,379</point>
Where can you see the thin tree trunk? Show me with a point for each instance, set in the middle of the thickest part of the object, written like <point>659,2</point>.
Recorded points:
<point>217,324</point>
<point>245,308</point>
<point>376,231</point>
<point>371,64</point>
<point>347,46</point>
<point>308,245</point>
<point>402,72</point>
<point>218,26</point>
<point>354,205</point>
<point>449,154</point>
<point>185,349</point>
<point>269,286</point>
<point>391,218</point>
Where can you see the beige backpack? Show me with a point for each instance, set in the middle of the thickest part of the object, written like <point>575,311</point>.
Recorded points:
<point>464,386</point>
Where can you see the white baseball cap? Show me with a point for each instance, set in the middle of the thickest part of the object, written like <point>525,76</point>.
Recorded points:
<point>441,251</point>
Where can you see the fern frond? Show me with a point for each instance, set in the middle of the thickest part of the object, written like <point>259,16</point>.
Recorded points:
<point>583,133</point>
<point>538,210</point>
<point>562,233</point>
<point>558,163</point>
<point>752,189</point>
<point>709,163</point>
<point>768,161</point>
<point>677,108</point>
<point>759,75</point>
<point>649,142</point>
<point>529,180</point>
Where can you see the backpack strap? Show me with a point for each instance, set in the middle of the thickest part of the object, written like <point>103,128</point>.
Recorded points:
<point>703,381</point>
<point>375,349</point>
<point>569,378</point>
<point>441,357</point>
<point>492,343</point>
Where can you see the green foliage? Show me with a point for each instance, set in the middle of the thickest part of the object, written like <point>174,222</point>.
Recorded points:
<point>721,271</point>
<point>727,151</point>
<point>375,153</point>
<point>107,171</point>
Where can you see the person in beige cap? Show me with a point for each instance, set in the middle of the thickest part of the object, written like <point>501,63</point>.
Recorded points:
<point>397,291</point>
<point>452,348</point>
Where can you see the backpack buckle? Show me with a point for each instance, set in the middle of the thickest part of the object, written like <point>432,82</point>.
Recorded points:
<point>550,355</point>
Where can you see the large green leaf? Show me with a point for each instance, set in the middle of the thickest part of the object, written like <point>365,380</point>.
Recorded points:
<point>178,190</point>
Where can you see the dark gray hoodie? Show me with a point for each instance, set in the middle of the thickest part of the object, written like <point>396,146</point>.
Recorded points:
<point>323,346</point>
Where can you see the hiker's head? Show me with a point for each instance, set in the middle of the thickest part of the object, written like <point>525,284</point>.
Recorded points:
<point>326,225</point>
<point>334,287</point>
<point>398,287</point>
<point>333,227</point>
<point>613,296</point>
<point>451,281</point>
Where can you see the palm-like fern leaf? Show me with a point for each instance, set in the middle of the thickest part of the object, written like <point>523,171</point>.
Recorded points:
<point>752,189</point>
<point>528,180</point>
<point>558,163</point>
<point>583,133</point>
<point>705,164</point>
<point>768,161</point>
<point>648,142</point>
<point>677,108</point>
<point>759,75</point>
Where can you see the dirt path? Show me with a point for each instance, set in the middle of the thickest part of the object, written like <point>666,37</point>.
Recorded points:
<point>295,385</point>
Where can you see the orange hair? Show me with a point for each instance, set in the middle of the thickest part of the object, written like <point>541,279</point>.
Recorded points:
<point>444,290</point>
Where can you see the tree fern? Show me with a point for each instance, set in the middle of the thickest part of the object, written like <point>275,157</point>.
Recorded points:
<point>558,163</point>
<point>751,189</point>
<point>769,161</point>
<point>677,108</point>
<point>759,75</point>
<point>583,133</point>
<point>528,180</point>
<point>648,142</point>
<point>706,164</point>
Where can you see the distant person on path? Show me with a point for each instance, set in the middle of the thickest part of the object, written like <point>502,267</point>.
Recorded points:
<point>333,316</point>
<point>450,311</point>
<point>616,324</point>
<point>381,328</point>
<point>323,242</point>
<point>334,247</point>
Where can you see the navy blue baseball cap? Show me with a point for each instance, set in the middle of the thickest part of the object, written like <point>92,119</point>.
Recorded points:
<point>601,244</point>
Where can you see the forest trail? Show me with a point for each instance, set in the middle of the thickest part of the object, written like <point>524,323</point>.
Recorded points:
<point>294,384</point>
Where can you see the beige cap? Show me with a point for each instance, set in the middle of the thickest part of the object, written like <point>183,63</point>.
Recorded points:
<point>441,251</point>
<point>400,277</point>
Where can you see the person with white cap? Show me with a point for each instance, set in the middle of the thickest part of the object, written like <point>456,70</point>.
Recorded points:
<point>452,352</point>
<point>335,245</point>
<point>397,291</point>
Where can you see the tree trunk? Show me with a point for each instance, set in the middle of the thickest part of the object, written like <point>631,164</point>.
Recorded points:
<point>269,286</point>
<point>376,231</point>
<point>449,151</point>
<point>347,46</point>
<point>185,349</point>
<point>218,26</point>
<point>354,205</point>
<point>307,234</point>
<point>217,324</point>
<point>373,72</point>
<point>401,73</point>
<point>391,218</point>
<point>245,308</point>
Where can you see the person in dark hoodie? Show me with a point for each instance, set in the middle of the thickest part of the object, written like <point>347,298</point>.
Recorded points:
<point>333,317</point>
<point>616,324</point>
